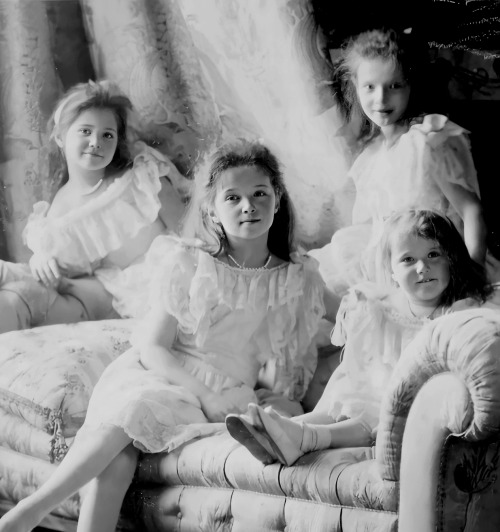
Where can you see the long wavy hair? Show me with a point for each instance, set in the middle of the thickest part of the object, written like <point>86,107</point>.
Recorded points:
<point>198,221</point>
<point>94,95</point>
<point>467,277</point>
<point>399,48</point>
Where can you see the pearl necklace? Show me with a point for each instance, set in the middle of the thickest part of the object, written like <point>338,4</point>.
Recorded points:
<point>428,317</point>
<point>94,188</point>
<point>264,267</point>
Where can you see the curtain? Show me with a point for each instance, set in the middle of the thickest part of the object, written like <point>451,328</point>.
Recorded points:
<point>199,72</point>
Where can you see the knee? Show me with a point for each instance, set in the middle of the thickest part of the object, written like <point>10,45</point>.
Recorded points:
<point>15,313</point>
<point>96,302</point>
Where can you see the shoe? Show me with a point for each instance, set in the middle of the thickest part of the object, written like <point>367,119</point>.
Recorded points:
<point>283,447</point>
<point>246,434</point>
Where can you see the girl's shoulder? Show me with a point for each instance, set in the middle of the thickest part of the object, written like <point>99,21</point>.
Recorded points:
<point>191,282</point>
<point>371,299</point>
<point>372,323</point>
<point>126,203</point>
<point>276,285</point>
<point>435,129</point>
<point>137,185</point>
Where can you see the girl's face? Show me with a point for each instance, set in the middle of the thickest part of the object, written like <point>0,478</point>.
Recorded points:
<point>382,91</point>
<point>420,268</point>
<point>245,203</point>
<point>90,141</point>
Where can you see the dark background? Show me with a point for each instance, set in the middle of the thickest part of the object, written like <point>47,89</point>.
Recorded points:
<point>458,34</point>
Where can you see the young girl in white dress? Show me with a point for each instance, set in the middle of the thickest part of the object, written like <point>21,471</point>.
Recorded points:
<point>110,207</point>
<point>407,159</point>
<point>222,307</point>
<point>433,274</point>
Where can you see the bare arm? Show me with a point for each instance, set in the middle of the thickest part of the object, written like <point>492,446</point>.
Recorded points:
<point>157,339</point>
<point>469,208</point>
<point>155,354</point>
<point>172,206</point>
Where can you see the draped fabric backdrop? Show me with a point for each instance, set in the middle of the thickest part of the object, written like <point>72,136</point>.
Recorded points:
<point>197,71</point>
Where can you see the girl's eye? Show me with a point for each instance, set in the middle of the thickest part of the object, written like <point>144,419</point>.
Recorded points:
<point>109,136</point>
<point>85,130</point>
<point>260,193</point>
<point>434,254</point>
<point>231,197</point>
<point>407,260</point>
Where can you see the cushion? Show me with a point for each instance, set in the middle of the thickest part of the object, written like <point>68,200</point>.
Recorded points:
<point>48,373</point>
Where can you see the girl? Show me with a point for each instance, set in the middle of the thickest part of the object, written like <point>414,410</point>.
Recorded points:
<point>429,264</point>
<point>223,307</point>
<point>407,159</point>
<point>110,207</point>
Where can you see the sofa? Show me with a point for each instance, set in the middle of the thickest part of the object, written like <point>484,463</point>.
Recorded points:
<point>434,464</point>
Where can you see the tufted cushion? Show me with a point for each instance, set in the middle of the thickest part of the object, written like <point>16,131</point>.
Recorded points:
<point>346,476</point>
<point>48,373</point>
<point>466,343</point>
<point>209,482</point>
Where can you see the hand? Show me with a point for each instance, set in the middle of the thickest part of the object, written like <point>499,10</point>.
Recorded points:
<point>216,407</point>
<point>45,270</point>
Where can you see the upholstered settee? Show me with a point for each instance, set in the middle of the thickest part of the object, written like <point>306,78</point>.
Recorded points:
<point>434,466</point>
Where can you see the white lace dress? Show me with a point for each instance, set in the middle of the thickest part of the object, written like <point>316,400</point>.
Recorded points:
<point>374,335</point>
<point>231,322</point>
<point>406,175</point>
<point>107,237</point>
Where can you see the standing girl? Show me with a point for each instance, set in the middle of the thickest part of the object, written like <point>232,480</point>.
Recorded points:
<point>110,207</point>
<point>222,308</point>
<point>408,160</point>
<point>427,260</point>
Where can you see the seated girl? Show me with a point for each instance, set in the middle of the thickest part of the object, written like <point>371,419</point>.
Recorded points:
<point>433,274</point>
<point>102,220</point>
<point>222,307</point>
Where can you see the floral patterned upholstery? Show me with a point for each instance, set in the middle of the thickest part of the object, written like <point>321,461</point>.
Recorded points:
<point>47,377</point>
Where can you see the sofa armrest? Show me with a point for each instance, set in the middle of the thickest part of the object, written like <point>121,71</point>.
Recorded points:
<point>465,344</point>
<point>432,417</point>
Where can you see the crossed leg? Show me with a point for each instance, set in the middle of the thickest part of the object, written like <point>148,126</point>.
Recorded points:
<point>102,502</point>
<point>276,438</point>
<point>95,452</point>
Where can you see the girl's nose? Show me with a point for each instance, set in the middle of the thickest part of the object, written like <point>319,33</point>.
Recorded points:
<point>422,266</point>
<point>248,206</point>
<point>381,95</point>
<point>94,141</point>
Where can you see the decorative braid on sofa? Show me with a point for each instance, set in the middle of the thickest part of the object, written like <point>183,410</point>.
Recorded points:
<point>466,344</point>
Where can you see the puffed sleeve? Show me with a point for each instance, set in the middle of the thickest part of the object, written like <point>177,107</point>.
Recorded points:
<point>448,153</point>
<point>172,267</point>
<point>82,237</point>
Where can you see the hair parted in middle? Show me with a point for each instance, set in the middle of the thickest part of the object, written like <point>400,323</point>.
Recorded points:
<point>242,152</point>
<point>467,277</point>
